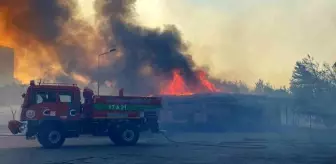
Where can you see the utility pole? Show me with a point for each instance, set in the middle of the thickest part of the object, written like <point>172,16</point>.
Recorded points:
<point>98,67</point>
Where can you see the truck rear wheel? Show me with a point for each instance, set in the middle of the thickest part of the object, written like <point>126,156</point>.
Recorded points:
<point>50,137</point>
<point>125,135</point>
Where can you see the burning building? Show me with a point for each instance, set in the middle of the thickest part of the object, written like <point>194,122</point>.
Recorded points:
<point>6,66</point>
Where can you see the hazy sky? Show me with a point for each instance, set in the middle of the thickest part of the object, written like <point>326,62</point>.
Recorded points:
<point>247,39</point>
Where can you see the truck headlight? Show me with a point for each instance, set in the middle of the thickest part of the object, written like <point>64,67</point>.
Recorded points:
<point>30,114</point>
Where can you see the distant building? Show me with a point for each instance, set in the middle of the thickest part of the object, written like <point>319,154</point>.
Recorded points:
<point>6,66</point>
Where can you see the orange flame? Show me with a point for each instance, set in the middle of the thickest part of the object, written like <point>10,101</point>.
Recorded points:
<point>35,58</point>
<point>30,53</point>
<point>206,83</point>
<point>178,87</point>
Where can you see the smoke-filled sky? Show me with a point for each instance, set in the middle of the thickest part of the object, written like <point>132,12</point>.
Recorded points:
<point>53,43</point>
<point>248,39</point>
<point>236,39</point>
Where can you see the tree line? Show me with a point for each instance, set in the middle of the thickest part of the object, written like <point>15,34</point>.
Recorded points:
<point>312,88</point>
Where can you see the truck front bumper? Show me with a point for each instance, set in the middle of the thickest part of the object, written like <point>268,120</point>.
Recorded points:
<point>16,127</point>
<point>27,128</point>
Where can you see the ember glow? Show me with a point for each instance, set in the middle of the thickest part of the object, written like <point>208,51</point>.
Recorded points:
<point>178,86</point>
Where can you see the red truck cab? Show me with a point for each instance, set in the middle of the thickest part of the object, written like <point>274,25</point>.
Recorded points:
<point>42,102</point>
<point>54,112</point>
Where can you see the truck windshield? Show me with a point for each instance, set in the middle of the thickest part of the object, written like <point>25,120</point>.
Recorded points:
<point>45,96</point>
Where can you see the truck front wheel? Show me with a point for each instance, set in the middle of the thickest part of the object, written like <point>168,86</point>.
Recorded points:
<point>125,135</point>
<point>51,138</point>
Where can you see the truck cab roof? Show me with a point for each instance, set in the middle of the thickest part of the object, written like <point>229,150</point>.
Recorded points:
<point>55,87</point>
<point>61,86</point>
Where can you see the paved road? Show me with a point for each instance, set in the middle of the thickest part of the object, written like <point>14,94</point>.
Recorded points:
<point>191,148</point>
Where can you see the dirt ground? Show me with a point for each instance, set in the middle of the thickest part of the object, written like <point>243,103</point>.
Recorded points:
<point>186,148</point>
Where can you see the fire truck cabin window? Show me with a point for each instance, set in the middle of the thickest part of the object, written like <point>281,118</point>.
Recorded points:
<point>65,97</point>
<point>43,97</point>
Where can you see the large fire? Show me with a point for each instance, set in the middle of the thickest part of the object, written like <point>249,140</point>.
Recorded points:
<point>36,55</point>
<point>49,46</point>
<point>31,54</point>
<point>178,87</point>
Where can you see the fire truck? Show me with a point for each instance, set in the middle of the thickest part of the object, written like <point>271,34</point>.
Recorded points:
<point>53,112</point>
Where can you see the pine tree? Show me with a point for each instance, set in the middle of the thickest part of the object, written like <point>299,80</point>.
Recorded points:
<point>264,88</point>
<point>313,87</point>
<point>303,83</point>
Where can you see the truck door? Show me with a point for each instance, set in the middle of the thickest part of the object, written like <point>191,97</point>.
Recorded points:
<point>69,105</point>
<point>71,110</point>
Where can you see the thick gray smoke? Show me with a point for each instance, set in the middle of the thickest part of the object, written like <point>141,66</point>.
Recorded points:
<point>160,50</point>
<point>146,57</point>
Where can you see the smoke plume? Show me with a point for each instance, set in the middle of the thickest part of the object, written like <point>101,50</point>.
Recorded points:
<point>64,48</point>
<point>146,54</point>
<point>249,39</point>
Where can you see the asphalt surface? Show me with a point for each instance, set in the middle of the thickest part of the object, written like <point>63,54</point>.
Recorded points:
<point>186,148</point>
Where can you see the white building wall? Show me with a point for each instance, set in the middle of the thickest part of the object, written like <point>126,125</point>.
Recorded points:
<point>6,66</point>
